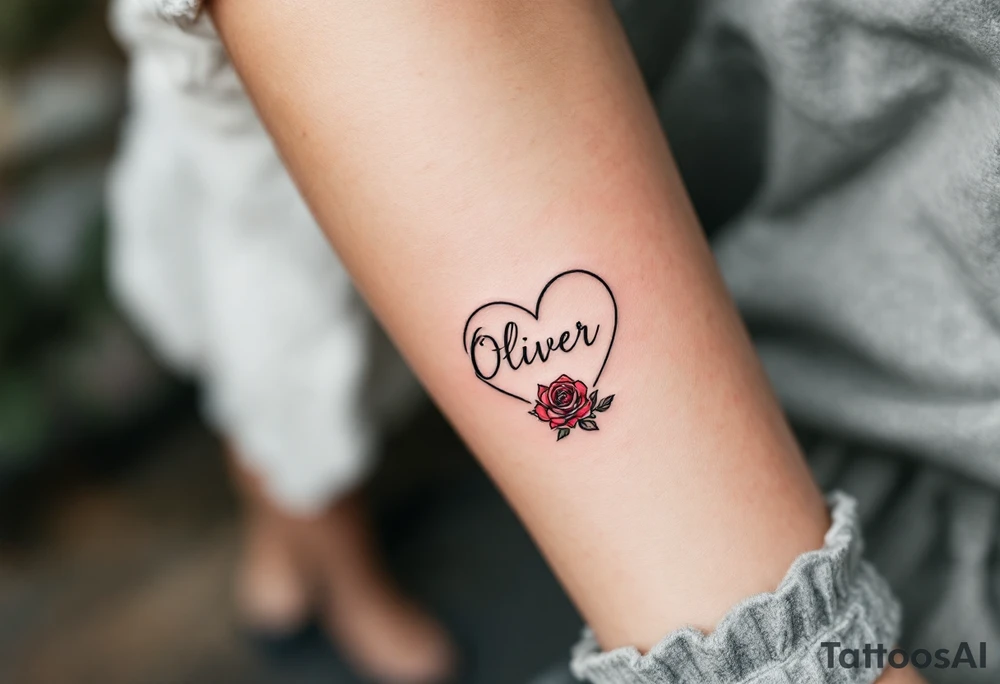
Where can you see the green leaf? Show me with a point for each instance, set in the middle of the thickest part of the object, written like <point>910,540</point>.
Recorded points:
<point>563,432</point>
<point>593,397</point>
<point>605,403</point>
<point>588,425</point>
<point>533,413</point>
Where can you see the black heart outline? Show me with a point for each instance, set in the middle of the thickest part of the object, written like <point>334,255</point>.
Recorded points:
<point>538,304</point>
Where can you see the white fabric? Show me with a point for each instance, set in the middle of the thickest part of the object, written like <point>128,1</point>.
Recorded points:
<point>217,259</point>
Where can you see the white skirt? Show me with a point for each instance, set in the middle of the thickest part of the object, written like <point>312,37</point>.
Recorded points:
<point>218,261</point>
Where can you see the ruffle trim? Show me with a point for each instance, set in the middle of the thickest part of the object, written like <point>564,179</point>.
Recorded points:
<point>830,594</point>
<point>179,11</point>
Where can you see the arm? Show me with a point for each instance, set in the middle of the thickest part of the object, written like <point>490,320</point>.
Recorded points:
<point>458,154</point>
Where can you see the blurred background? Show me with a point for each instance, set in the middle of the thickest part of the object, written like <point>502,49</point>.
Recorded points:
<point>118,528</point>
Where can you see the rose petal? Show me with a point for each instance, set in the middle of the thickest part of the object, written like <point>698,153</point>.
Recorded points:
<point>584,410</point>
<point>542,390</point>
<point>564,397</point>
<point>557,422</point>
<point>581,388</point>
<point>542,412</point>
<point>564,378</point>
<point>571,395</point>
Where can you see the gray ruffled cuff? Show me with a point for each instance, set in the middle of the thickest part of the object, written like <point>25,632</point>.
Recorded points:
<point>828,595</point>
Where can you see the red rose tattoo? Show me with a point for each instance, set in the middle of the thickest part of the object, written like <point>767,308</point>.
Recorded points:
<point>564,405</point>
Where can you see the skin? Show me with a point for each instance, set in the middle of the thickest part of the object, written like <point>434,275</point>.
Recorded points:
<point>328,566</point>
<point>461,152</point>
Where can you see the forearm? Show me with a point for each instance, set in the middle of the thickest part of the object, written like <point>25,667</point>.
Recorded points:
<point>463,153</point>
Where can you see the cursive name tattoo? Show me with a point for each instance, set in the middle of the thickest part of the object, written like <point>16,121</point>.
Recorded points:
<point>517,353</point>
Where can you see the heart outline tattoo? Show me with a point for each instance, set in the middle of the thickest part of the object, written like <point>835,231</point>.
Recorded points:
<point>564,403</point>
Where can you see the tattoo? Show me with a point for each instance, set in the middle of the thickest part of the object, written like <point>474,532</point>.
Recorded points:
<point>572,328</point>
